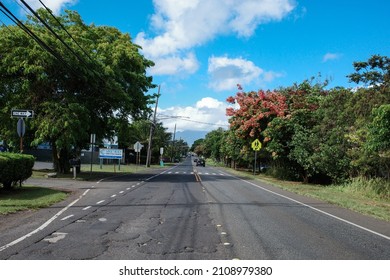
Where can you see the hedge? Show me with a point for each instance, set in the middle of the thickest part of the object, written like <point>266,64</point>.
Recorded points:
<point>15,168</point>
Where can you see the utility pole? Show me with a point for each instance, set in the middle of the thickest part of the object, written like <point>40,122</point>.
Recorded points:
<point>173,145</point>
<point>149,153</point>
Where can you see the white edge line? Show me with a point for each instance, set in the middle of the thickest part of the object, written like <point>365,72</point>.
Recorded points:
<point>316,209</point>
<point>48,222</point>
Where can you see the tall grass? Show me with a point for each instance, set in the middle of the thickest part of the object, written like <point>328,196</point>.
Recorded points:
<point>372,188</point>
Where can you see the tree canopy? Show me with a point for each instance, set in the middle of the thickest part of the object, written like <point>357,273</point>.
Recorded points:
<point>311,132</point>
<point>77,78</point>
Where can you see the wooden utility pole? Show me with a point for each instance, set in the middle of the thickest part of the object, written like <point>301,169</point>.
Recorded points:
<point>152,125</point>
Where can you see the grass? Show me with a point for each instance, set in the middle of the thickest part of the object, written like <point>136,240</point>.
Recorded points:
<point>98,171</point>
<point>27,198</point>
<point>359,195</point>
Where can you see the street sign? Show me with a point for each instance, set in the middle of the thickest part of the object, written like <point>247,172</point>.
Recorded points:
<point>21,127</point>
<point>110,154</point>
<point>256,145</point>
<point>138,146</point>
<point>18,113</point>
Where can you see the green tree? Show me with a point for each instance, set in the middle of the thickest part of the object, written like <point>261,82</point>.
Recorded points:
<point>139,131</point>
<point>378,138</point>
<point>213,143</point>
<point>73,93</point>
<point>374,72</point>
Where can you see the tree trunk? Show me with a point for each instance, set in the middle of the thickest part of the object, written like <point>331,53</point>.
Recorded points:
<point>305,177</point>
<point>61,160</point>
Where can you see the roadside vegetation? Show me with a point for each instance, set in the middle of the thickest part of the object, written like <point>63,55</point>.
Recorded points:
<point>330,143</point>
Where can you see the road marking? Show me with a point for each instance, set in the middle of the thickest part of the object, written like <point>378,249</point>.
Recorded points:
<point>127,189</point>
<point>43,226</point>
<point>56,236</point>
<point>86,208</point>
<point>114,195</point>
<point>316,209</point>
<point>103,220</point>
<point>48,222</point>
<point>100,202</point>
<point>67,217</point>
<point>121,192</point>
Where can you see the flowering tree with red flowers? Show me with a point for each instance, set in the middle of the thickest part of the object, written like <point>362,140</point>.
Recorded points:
<point>283,121</point>
<point>254,111</point>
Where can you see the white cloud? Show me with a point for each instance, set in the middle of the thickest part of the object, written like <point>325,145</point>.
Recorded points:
<point>175,64</point>
<point>206,115</point>
<point>226,73</point>
<point>331,56</point>
<point>55,5</point>
<point>182,25</point>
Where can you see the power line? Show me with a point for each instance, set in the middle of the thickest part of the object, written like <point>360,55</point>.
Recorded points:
<point>30,33</point>
<point>54,33</point>
<point>187,119</point>
<point>58,56</point>
<point>63,27</point>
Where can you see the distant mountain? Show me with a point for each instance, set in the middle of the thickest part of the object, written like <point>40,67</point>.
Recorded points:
<point>190,136</point>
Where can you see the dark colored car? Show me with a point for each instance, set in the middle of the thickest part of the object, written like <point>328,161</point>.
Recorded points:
<point>201,162</point>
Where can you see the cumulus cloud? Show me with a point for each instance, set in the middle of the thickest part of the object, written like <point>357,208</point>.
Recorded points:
<point>175,64</point>
<point>207,114</point>
<point>55,5</point>
<point>226,73</point>
<point>182,25</point>
<point>331,56</point>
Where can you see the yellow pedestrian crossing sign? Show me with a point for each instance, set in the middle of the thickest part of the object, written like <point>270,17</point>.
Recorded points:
<point>256,145</point>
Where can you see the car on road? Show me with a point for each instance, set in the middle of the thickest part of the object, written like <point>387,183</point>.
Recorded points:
<point>201,162</point>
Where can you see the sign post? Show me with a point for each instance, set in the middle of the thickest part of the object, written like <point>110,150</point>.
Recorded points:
<point>256,146</point>
<point>21,126</point>
<point>137,148</point>
<point>93,140</point>
<point>111,154</point>
<point>161,158</point>
<point>21,129</point>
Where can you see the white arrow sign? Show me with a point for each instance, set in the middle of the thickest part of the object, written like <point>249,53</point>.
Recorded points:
<point>17,113</point>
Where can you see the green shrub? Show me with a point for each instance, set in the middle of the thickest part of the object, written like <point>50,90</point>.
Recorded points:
<point>15,168</point>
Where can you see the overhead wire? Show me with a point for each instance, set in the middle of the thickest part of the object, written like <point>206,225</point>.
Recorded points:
<point>63,27</point>
<point>30,33</point>
<point>58,56</point>
<point>75,41</point>
<point>54,33</point>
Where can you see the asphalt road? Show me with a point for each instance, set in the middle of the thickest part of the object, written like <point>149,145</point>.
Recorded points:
<point>188,212</point>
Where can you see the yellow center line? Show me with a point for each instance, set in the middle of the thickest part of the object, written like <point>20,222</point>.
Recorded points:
<point>197,177</point>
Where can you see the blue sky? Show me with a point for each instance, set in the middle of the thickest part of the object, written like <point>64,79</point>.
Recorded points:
<point>203,48</point>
